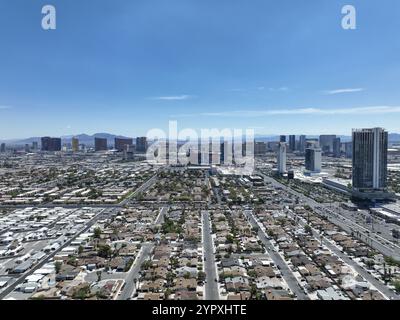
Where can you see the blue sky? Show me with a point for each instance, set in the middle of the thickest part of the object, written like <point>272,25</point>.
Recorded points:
<point>126,66</point>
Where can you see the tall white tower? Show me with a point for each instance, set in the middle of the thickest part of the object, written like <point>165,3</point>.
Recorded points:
<point>282,158</point>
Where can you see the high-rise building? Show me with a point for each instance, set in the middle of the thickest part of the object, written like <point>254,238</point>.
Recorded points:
<point>370,149</point>
<point>51,144</point>
<point>337,152</point>
<point>3,148</point>
<point>312,143</point>
<point>282,158</point>
<point>141,144</point>
<point>35,146</point>
<point>326,143</point>
<point>122,144</point>
<point>75,145</point>
<point>100,144</point>
<point>282,138</point>
<point>260,148</point>
<point>27,148</point>
<point>129,153</point>
<point>292,143</point>
<point>302,143</point>
<point>348,149</point>
<point>313,160</point>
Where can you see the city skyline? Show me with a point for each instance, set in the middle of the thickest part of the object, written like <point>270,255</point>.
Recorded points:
<point>130,67</point>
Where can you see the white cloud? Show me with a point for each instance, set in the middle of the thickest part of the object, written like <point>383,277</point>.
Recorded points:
<point>339,91</point>
<point>173,98</point>
<point>279,89</point>
<point>300,111</point>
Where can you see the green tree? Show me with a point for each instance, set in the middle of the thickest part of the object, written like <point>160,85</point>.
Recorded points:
<point>97,233</point>
<point>104,251</point>
<point>201,276</point>
<point>58,265</point>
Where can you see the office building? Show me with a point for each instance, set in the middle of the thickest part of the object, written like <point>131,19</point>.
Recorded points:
<point>370,149</point>
<point>292,143</point>
<point>326,143</point>
<point>75,145</point>
<point>282,158</point>
<point>312,143</point>
<point>141,144</point>
<point>282,138</point>
<point>313,160</point>
<point>129,153</point>
<point>35,146</point>
<point>3,148</point>
<point>337,152</point>
<point>121,144</point>
<point>100,144</point>
<point>260,148</point>
<point>348,149</point>
<point>27,148</point>
<point>302,143</point>
<point>51,144</point>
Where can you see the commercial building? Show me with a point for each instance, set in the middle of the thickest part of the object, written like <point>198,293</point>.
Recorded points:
<point>129,153</point>
<point>370,159</point>
<point>260,148</point>
<point>337,152</point>
<point>313,160</point>
<point>51,144</point>
<point>141,144</point>
<point>302,143</point>
<point>3,148</point>
<point>292,143</point>
<point>75,145</point>
<point>348,149</point>
<point>312,143</point>
<point>121,144</point>
<point>282,138</point>
<point>100,144</point>
<point>35,146</point>
<point>282,158</point>
<point>326,143</point>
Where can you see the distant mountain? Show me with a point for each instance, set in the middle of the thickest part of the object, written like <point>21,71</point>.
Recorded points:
<point>89,139</point>
<point>394,137</point>
<point>83,139</point>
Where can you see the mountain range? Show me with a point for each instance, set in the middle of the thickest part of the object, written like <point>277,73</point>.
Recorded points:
<point>89,139</point>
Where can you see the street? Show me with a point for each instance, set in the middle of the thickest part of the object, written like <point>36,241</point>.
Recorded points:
<point>212,292</point>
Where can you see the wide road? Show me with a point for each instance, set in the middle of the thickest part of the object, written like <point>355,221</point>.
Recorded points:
<point>133,274</point>
<point>283,267</point>
<point>364,273</point>
<point>142,188</point>
<point>377,242</point>
<point>212,292</point>
<point>161,215</point>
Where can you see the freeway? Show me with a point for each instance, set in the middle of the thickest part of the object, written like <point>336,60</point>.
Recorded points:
<point>377,242</point>
<point>133,274</point>
<point>364,273</point>
<point>142,188</point>
<point>45,260</point>
<point>287,274</point>
<point>161,215</point>
<point>212,292</point>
